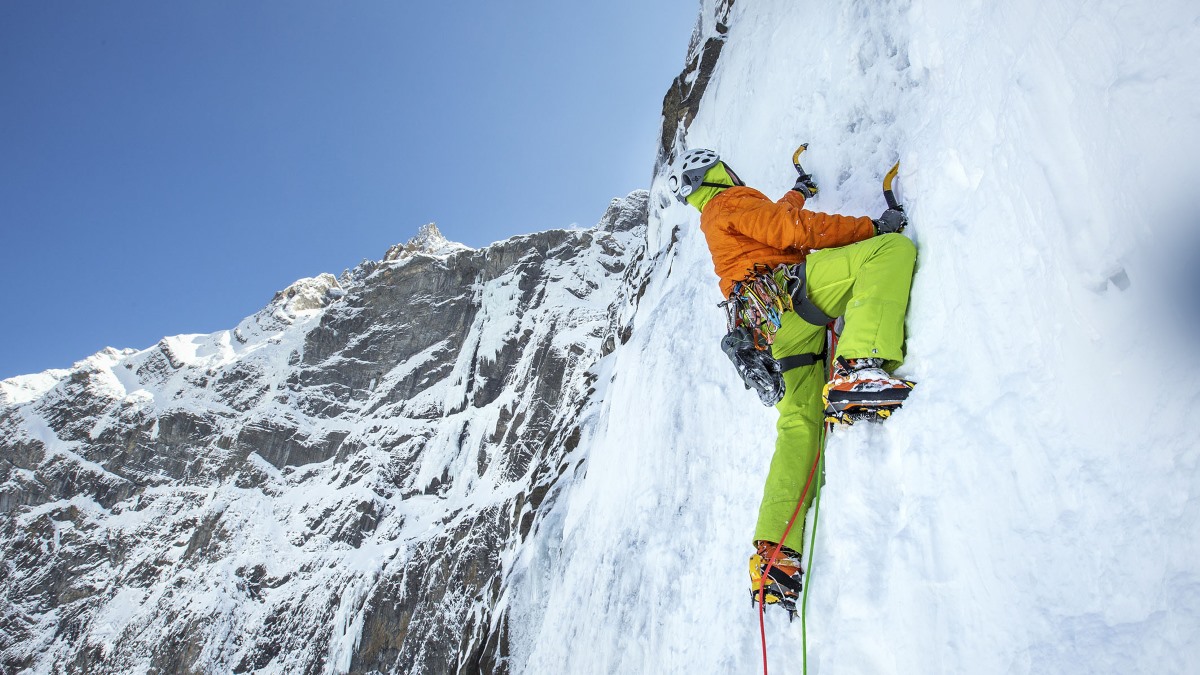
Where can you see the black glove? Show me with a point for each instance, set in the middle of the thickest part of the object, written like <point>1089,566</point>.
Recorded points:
<point>806,186</point>
<point>892,220</point>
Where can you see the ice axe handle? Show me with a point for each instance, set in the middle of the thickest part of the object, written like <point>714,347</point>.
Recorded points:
<point>887,188</point>
<point>796,160</point>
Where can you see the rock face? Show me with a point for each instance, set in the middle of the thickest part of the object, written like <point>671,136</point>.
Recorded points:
<point>682,100</point>
<point>335,485</point>
<point>347,481</point>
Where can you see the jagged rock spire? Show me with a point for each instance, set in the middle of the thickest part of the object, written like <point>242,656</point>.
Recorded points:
<point>429,240</point>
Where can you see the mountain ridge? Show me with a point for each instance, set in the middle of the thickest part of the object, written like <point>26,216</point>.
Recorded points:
<point>133,478</point>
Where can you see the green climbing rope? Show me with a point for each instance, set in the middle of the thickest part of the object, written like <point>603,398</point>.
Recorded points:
<point>812,552</point>
<point>826,428</point>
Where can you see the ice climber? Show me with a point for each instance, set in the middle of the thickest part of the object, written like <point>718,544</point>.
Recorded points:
<point>786,272</point>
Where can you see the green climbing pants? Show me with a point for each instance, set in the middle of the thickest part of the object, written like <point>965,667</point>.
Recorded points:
<point>867,282</point>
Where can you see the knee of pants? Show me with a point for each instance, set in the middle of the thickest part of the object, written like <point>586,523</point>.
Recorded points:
<point>899,244</point>
<point>800,421</point>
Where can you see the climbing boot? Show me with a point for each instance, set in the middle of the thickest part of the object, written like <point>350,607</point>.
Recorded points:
<point>783,580</point>
<point>862,390</point>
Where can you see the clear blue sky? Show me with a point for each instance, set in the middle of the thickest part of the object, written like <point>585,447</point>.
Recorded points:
<point>165,167</point>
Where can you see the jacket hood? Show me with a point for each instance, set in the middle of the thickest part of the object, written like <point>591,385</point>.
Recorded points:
<point>721,178</point>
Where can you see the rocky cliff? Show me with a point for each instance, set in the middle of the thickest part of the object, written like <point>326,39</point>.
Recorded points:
<point>351,480</point>
<point>338,484</point>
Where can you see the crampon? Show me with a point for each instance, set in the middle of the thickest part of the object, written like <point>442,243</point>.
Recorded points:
<point>784,580</point>
<point>862,391</point>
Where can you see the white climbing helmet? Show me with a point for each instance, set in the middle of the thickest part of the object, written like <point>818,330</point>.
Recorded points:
<point>689,171</point>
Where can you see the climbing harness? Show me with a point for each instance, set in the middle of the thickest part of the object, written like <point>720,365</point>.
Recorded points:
<point>804,307</point>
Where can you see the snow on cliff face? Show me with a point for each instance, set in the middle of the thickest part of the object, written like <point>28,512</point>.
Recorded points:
<point>338,484</point>
<point>1034,507</point>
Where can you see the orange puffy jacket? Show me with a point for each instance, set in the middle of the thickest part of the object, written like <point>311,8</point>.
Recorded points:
<point>743,228</point>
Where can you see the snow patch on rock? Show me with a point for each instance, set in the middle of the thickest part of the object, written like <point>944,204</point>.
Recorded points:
<point>306,295</point>
<point>26,388</point>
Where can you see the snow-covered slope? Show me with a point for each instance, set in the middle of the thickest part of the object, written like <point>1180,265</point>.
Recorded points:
<point>1036,506</point>
<point>534,458</point>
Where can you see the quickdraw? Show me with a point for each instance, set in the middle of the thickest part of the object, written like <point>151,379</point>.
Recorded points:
<point>758,303</point>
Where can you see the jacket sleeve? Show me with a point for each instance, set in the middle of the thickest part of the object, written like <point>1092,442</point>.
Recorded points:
<point>786,225</point>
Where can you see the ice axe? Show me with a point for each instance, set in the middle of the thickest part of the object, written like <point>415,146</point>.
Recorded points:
<point>804,178</point>
<point>887,187</point>
<point>796,160</point>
